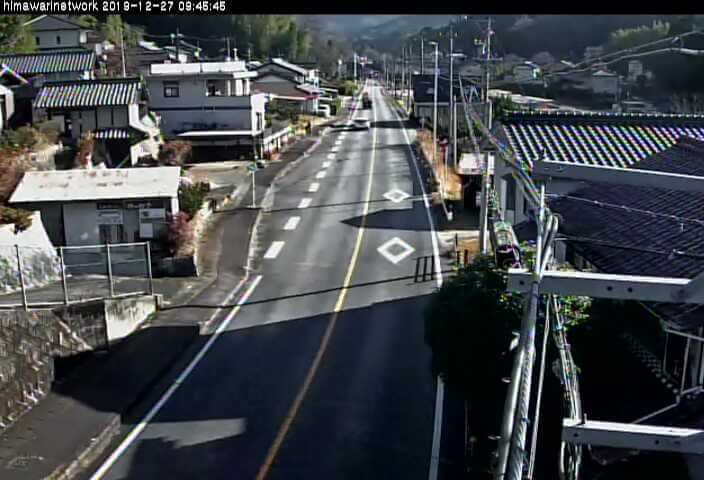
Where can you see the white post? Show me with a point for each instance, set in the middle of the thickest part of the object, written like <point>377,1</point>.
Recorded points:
<point>107,250</point>
<point>63,274</point>
<point>149,267</point>
<point>254,194</point>
<point>21,275</point>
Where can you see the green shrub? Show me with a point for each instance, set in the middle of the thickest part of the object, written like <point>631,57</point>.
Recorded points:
<point>191,197</point>
<point>24,138</point>
<point>22,219</point>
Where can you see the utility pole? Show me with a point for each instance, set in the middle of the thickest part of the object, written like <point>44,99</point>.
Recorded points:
<point>403,73</point>
<point>227,55</point>
<point>355,67</point>
<point>483,214</point>
<point>450,104</point>
<point>422,56</point>
<point>435,116</point>
<point>178,43</point>
<point>122,47</point>
<point>409,74</point>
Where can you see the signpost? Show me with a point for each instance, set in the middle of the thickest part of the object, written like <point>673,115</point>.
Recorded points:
<point>252,167</point>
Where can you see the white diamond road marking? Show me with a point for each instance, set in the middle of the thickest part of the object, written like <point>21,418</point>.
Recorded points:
<point>321,174</point>
<point>395,244</point>
<point>292,223</point>
<point>396,195</point>
<point>326,164</point>
<point>331,156</point>
<point>305,202</point>
<point>314,187</point>
<point>274,249</point>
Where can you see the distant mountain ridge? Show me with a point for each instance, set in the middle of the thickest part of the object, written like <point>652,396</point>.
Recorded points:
<point>346,24</point>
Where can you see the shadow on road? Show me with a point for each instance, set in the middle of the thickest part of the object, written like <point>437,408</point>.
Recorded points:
<point>368,412</point>
<point>407,219</point>
<point>394,124</point>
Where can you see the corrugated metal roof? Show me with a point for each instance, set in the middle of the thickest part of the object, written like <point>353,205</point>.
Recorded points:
<point>290,66</point>
<point>86,185</point>
<point>89,93</point>
<point>63,61</point>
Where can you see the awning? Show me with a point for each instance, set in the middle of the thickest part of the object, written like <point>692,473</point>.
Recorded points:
<point>112,134</point>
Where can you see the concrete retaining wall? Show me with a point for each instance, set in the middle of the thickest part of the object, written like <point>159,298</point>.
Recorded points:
<point>124,315</point>
<point>30,340</point>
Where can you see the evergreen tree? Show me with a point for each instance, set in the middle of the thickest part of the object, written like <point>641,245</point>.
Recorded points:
<point>15,37</point>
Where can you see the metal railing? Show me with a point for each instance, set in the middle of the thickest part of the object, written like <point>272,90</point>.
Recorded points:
<point>43,277</point>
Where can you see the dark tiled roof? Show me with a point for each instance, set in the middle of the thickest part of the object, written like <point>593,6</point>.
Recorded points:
<point>89,93</point>
<point>69,60</point>
<point>616,140</point>
<point>628,241</point>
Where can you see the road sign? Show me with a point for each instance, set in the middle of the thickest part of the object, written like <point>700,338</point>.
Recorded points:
<point>252,167</point>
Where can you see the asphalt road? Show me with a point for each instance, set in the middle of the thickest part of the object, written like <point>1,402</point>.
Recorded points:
<point>322,370</point>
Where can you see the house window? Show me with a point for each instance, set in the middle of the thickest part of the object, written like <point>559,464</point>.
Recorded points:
<point>213,88</point>
<point>58,39</point>
<point>171,89</point>
<point>36,39</point>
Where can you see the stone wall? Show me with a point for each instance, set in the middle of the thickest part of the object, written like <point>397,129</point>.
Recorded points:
<point>28,342</point>
<point>31,340</point>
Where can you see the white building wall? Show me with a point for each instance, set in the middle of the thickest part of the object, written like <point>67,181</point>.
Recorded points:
<point>59,39</point>
<point>193,107</point>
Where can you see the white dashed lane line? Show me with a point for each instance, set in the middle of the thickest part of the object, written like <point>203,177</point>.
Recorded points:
<point>331,156</point>
<point>321,174</point>
<point>314,187</point>
<point>326,164</point>
<point>292,223</point>
<point>274,249</point>
<point>305,203</point>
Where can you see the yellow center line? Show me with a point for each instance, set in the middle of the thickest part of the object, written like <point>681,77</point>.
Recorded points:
<point>296,405</point>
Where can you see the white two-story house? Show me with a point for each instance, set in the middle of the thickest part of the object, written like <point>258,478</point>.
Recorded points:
<point>208,104</point>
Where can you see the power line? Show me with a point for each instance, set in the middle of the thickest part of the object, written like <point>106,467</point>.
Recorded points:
<point>632,247</point>
<point>626,208</point>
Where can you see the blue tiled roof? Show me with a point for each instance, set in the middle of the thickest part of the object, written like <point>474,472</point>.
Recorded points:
<point>616,140</point>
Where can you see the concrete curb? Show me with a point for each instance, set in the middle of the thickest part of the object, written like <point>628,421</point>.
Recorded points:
<point>90,454</point>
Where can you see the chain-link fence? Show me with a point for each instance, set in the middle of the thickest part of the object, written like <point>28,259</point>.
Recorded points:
<point>40,276</point>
